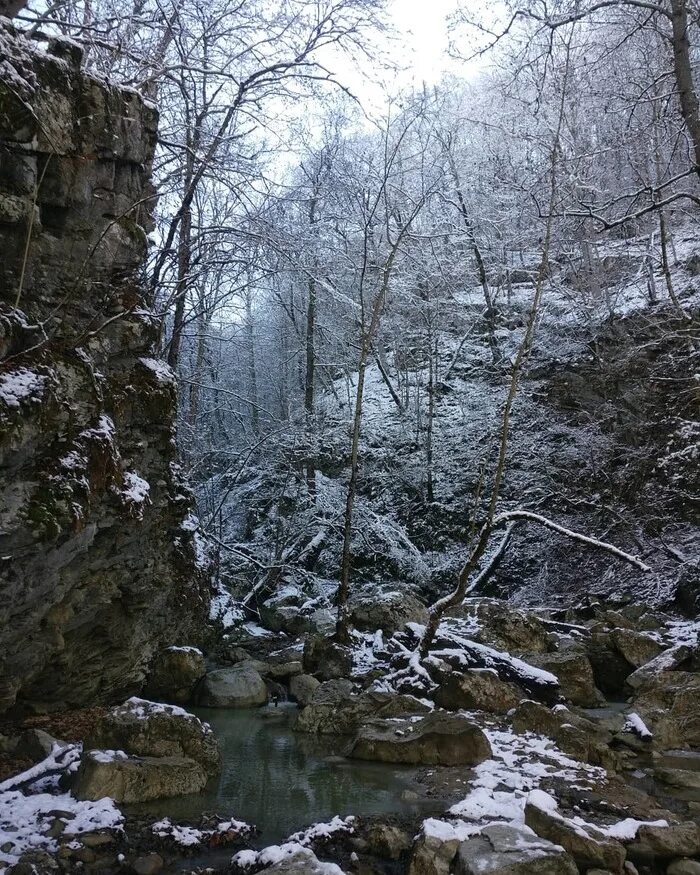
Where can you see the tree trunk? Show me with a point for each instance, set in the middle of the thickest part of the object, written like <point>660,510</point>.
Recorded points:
<point>683,70</point>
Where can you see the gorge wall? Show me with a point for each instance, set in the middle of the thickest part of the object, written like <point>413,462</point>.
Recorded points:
<point>98,546</point>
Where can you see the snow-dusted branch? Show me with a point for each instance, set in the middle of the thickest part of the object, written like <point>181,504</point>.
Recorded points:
<point>526,515</point>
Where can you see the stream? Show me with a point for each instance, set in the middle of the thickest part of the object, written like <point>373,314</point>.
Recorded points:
<point>283,781</point>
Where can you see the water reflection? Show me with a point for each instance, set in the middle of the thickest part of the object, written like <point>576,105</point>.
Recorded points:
<point>283,781</point>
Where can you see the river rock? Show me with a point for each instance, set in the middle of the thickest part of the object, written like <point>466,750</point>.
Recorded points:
<point>335,709</point>
<point>175,673</point>
<point>433,855</point>
<point>326,658</point>
<point>303,861</point>
<point>575,674</point>
<point>668,704</point>
<point>588,851</point>
<point>237,687</point>
<point>136,779</point>
<point>387,841</point>
<point>437,739</point>
<point>388,611</point>
<point>504,849</point>
<point>685,778</point>
<point>637,648</point>
<point>152,729</point>
<point>684,867</point>
<point>476,689</point>
<point>654,843</point>
<point>302,688</point>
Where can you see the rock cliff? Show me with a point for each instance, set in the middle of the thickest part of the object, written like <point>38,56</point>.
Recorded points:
<point>98,546</point>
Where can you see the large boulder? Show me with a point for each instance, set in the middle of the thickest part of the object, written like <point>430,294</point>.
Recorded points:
<point>669,660</point>
<point>499,625</point>
<point>575,735</point>
<point>336,709</point>
<point>575,674</point>
<point>590,851</point>
<point>637,648</point>
<point>326,659</point>
<point>476,689</point>
<point>175,673</point>
<point>151,729</point>
<point>302,688</point>
<point>655,842</point>
<point>509,849</point>
<point>437,739</point>
<point>240,686</point>
<point>388,611</point>
<point>668,705</point>
<point>136,779</point>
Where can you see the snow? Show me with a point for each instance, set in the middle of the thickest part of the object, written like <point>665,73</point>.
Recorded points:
<point>143,709</point>
<point>683,632</point>
<point>26,819</point>
<point>107,756</point>
<point>634,723</point>
<point>224,608</point>
<point>297,844</point>
<point>135,493</point>
<point>190,836</point>
<point>161,370</point>
<point>501,785</point>
<point>21,385</point>
<point>184,649</point>
<point>135,488</point>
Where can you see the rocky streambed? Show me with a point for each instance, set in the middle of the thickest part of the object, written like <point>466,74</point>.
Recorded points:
<point>526,742</point>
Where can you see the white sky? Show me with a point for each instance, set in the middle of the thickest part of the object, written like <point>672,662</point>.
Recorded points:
<point>423,26</point>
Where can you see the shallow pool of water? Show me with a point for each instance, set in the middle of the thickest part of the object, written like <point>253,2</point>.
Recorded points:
<point>283,781</point>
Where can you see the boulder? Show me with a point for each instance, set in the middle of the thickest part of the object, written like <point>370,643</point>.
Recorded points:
<point>237,687</point>
<point>388,611</point>
<point>684,778</point>
<point>503,627</point>
<point>387,841</point>
<point>302,688</point>
<point>436,739</point>
<point>653,843</point>
<point>509,849</point>
<point>477,689</point>
<point>335,709</point>
<point>151,729</point>
<point>668,705</point>
<point>575,674</point>
<point>136,779</point>
<point>302,861</point>
<point>589,851</point>
<point>637,648</point>
<point>175,673</point>
<point>283,671</point>
<point>684,867</point>
<point>669,660</point>
<point>36,745</point>
<point>432,856</point>
<point>326,658</point>
<point>576,735</point>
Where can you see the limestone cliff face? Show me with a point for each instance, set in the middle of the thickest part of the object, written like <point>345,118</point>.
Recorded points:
<point>98,564</point>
